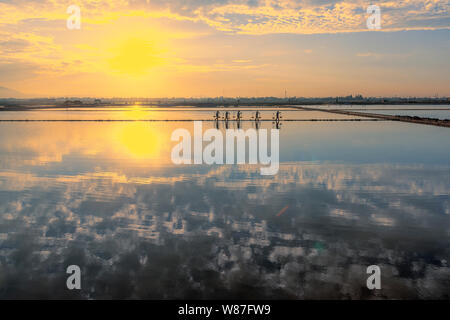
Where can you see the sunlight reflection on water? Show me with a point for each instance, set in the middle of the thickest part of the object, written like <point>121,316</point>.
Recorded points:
<point>106,196</point>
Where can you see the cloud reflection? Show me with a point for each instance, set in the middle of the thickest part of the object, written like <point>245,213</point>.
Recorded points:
<point>142,228</point>
<point>202,237</point>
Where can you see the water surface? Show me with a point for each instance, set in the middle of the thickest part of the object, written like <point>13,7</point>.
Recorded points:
<point>436,114</point>
<point>106,196</point>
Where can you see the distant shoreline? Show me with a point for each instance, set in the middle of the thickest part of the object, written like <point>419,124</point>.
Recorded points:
<point>8,106</point>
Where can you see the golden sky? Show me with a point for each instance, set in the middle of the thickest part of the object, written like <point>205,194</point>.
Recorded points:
<point>166,48</point>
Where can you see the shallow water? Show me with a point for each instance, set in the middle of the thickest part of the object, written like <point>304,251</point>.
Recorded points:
<point>106,197</point>
<point>358,107</point>
<point>436,114</point>
<point>164,114</point>
<point>441,112</point>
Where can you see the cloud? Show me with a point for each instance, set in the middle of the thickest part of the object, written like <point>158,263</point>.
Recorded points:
<point>193,39</point>
<point>251,16</point>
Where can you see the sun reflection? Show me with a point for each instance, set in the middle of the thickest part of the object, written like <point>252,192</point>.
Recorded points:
<point>140,140</point>
<point>136,112</point>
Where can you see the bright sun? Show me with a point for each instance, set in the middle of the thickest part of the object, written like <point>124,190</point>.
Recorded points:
<point>135,57</point>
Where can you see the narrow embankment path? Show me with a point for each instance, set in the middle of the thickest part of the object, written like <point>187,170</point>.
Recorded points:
<point>427,121</point>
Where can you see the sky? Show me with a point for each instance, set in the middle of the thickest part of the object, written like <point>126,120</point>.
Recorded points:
<point>199,48</point>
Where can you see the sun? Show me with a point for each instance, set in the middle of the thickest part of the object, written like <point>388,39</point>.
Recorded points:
<point>135,57</point>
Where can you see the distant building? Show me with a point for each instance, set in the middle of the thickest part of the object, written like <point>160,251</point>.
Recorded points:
<point>71,102</point>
